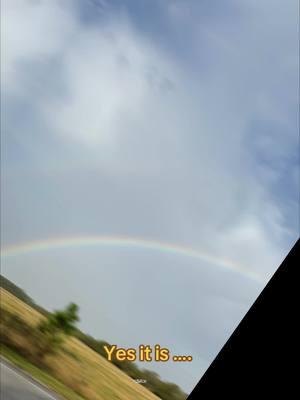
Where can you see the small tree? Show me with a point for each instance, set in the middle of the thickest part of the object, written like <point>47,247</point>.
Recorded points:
<point>56,327</point>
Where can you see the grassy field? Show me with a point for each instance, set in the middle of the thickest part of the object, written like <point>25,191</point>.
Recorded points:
<point>77,366</point>
<point>41,376</point>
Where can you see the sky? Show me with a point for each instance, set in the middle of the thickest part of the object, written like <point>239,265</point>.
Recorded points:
<point>174,121</point>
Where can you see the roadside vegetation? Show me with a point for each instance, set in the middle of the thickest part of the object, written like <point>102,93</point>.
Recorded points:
<point>51,344</point>
<point>38,374</point>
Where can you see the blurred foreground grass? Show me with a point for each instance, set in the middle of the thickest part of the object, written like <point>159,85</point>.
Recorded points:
<point>79,368</point>
<point>38,374</point>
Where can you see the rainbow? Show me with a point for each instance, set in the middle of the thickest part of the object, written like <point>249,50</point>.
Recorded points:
<point>124,242</point>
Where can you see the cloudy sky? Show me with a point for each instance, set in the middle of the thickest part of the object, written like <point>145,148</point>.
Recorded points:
<point>166,120</point>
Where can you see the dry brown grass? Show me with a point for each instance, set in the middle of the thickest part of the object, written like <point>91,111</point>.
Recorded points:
<point>80,368</point>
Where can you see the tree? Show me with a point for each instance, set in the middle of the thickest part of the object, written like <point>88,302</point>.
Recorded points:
<point>56,327</point>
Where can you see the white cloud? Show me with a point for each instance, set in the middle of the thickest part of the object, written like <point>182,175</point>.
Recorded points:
<point>149,146</point>
<point>132,112</point>
<point>31,30</point>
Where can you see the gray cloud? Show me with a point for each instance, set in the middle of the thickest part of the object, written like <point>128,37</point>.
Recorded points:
<point>105,132</point>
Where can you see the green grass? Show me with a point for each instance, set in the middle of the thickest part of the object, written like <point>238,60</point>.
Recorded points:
<point>77,369</point>
<point>38,374</point>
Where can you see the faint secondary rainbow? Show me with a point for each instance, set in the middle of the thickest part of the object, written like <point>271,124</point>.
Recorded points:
<point>125,242</point>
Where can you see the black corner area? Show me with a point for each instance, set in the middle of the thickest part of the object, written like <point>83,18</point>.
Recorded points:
<point>260,356</point>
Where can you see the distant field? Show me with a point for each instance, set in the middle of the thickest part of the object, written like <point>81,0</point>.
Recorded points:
<point>81,365</point>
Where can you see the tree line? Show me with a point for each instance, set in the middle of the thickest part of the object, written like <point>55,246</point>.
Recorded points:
<point>56,326</point>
